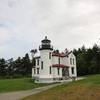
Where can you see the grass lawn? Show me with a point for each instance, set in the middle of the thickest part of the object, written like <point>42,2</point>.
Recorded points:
<point>87,89</point>
<point>8,85</point>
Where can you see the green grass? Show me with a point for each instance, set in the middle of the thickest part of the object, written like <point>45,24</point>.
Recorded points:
<point>86,89</point>
<point>8,85</point>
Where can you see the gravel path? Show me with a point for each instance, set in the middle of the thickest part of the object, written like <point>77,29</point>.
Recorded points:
<point>21,94</point>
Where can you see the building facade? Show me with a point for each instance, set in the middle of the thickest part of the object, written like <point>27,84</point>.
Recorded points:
<point>52,66</point>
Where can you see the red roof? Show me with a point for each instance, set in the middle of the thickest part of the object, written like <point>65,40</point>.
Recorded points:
<point>59,65</point>
<point>59,54</point>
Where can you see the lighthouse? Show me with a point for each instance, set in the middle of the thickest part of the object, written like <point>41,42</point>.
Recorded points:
<point>46,60</point>
<point>52,65</point>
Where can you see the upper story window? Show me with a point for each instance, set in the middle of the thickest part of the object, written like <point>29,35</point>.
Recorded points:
<point>37,61</point>
<point>71,61</point>
<point>41,64</point>
<point>34,62</point>
<point>49,55</point>
<point>59,60</point>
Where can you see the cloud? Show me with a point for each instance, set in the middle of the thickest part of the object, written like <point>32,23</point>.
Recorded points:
<point>68,23</point>
<point>4,37</point>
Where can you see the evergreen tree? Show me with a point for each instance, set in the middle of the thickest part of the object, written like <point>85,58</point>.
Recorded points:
<point>10,68</point>
<point>88,60</point>
<point>26,65</point>
<point>3,67</point>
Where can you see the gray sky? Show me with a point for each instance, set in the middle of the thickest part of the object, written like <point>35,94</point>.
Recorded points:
<point>68,23</point>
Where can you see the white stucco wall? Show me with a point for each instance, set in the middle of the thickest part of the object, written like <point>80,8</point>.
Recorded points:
<point>45,72</point>
<point>54,60</point>
<point>55,72</point>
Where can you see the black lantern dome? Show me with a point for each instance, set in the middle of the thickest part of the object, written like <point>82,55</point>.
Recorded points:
<point>46,44</point>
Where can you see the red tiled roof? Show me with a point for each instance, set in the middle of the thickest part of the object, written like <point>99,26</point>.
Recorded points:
<point>59,54</point>
<point>59,65</point>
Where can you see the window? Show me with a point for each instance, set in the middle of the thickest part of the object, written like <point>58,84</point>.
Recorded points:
<point>50,70</point>
<point>49,55</point>
<point>34,62</point>
<point>34,71</point>
<point>71,61</point>
<point>41,64</point>
<point>58,71</point>
<point>72,70</point>
<point>37,70</point>
<point>37,61</point>
<point>59,60</point>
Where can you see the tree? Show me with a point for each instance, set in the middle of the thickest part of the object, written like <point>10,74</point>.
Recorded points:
<point>10,68</point>
<point>88,60</point>
<point>3,67</point>
<point>26,65</point>
<point>18,67</point>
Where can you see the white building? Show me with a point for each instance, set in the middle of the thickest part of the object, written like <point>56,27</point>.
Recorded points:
<point>51,66</point>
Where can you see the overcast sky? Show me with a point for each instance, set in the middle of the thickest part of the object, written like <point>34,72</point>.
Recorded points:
<point>68,23</point>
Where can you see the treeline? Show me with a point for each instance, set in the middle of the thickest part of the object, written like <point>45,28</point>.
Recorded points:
<point>88,60</point>
<point>20,67</point>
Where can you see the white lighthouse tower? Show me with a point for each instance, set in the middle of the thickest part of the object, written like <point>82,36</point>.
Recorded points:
<point>46,60</point>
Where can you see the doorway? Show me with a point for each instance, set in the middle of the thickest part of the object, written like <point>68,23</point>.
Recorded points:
<point>65,73</point>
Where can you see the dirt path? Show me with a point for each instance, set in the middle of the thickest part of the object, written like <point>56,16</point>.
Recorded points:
<point>21,94</point>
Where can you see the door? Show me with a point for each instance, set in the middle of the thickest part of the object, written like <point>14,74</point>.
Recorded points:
<point>65,72</point>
